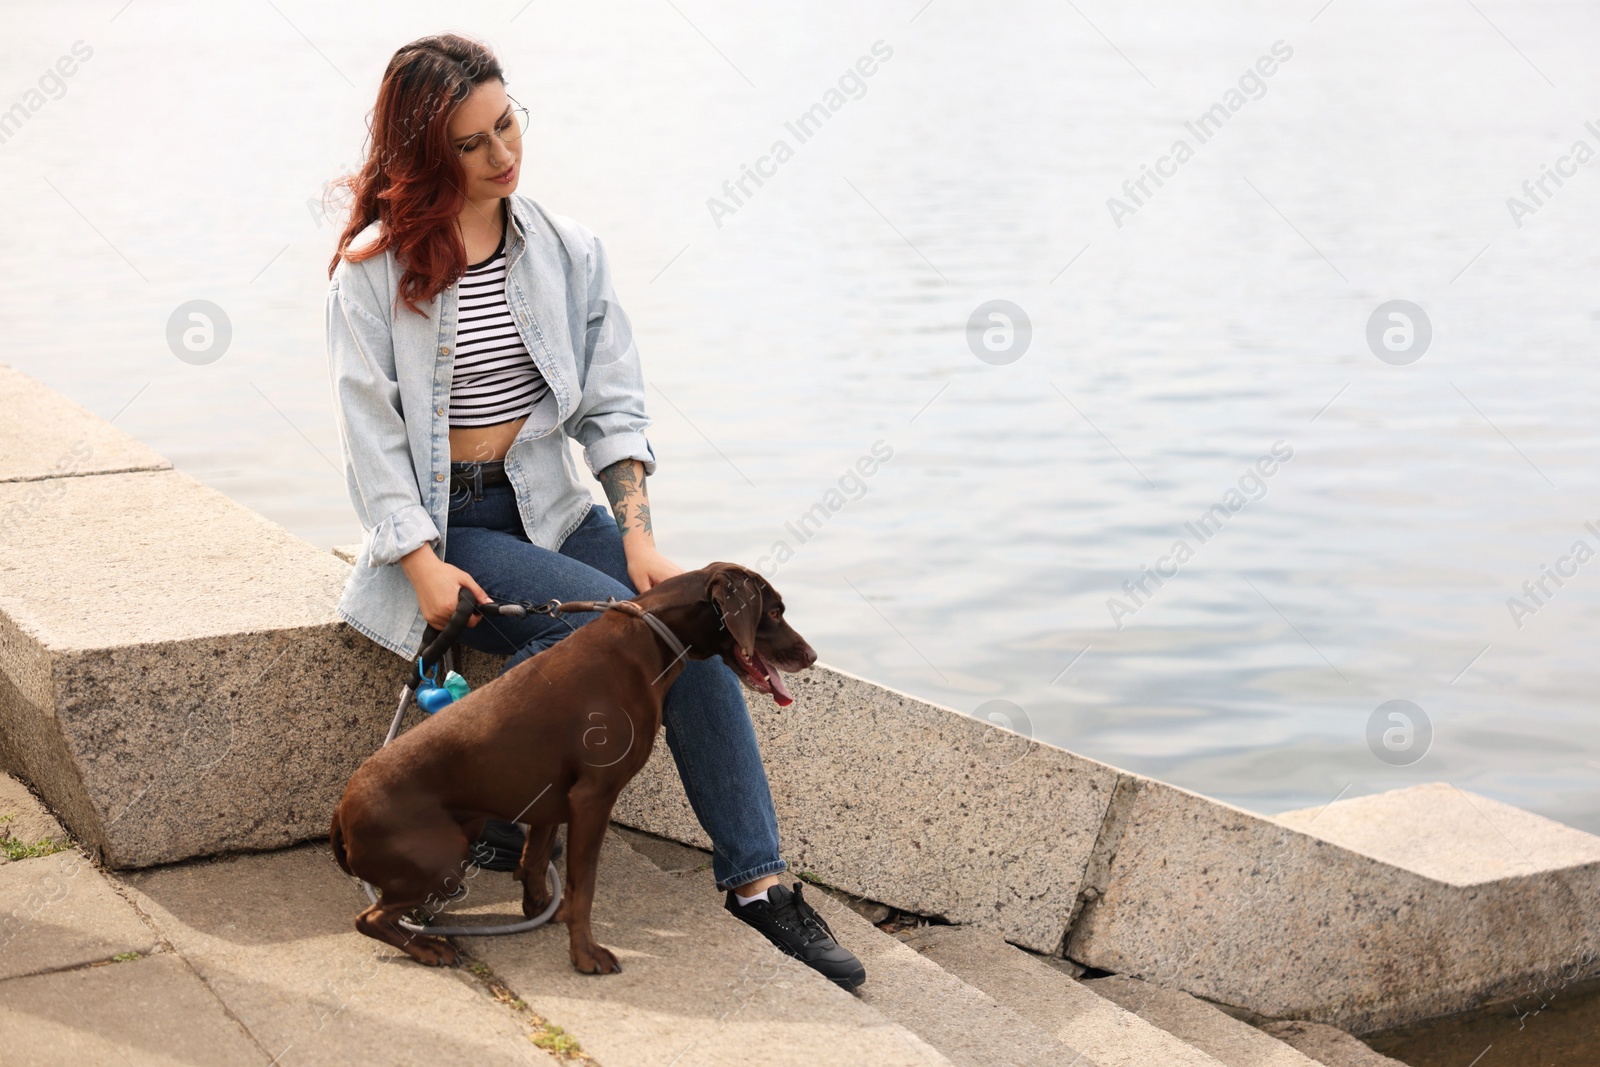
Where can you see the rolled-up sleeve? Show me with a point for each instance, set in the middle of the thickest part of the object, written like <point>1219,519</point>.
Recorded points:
<point>609,420</point>
<point>379,474</point>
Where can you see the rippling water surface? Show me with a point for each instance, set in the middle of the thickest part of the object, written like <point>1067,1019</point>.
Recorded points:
<point>1225,317</point>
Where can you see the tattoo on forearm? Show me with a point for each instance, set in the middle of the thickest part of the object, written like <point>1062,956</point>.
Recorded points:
<point>624,485</point>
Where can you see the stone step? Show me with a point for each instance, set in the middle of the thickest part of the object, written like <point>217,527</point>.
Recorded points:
<point>1279,1043</point>
<point>970,1025</point>
<point>1328,1044</point>
<point>1105,1012</point>
<point>272,935</point>
<point>963,1023</point>
<point>697,986</point>
<point>85,979</point>
<point>1219,1035</point>
<point>58,912</point>
<point>1106,1033</point>
<point>24,820</point>
<point>146,1012</point>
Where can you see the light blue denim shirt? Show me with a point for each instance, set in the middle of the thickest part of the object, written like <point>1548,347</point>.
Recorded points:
<point>391,370</point>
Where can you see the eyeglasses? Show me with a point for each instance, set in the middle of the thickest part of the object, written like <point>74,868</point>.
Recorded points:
<point>509,129</point>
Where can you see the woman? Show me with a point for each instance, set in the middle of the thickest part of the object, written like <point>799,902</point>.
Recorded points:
<point>470,333</point>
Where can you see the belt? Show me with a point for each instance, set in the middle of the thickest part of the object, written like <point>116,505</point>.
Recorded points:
<point>472,477</point>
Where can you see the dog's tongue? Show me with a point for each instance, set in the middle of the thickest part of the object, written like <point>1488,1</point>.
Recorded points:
<point>780,692</point>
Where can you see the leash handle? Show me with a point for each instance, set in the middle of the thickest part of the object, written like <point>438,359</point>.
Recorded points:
<point>436,642</point>
<point>435,646</point>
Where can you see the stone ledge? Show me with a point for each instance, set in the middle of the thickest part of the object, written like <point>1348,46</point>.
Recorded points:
<point>45,435</point>
<point>1448,835</point>
<point>187,689</point>
<point>697,986</point>
<point>1246,911</point>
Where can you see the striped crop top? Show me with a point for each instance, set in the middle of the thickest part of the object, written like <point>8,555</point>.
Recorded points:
<point>495,379</point>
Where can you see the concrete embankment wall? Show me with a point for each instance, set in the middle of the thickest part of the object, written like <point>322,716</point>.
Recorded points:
<point>174,682</point>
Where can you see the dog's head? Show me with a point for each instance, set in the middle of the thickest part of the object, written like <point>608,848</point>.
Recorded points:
<point>752,636</point>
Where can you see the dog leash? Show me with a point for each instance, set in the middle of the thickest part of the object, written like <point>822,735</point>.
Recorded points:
<point>521,609</point>
<point>433,695</point>
<point>435,643</point>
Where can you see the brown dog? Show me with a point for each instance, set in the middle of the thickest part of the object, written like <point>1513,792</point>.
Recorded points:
<point>551,741</point>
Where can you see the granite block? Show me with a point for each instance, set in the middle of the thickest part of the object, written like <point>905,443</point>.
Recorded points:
<point>1269,916</point>
<point>911,804</point>
<point>46,436</point>
<point>188,689</point>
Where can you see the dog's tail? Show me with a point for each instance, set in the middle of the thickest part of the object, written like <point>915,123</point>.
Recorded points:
<point>336,840</point>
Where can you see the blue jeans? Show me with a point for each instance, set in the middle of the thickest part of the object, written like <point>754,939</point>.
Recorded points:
<point>707,724</point>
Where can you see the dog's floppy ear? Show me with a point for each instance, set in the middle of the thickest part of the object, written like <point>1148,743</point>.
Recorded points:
<point>737,594</point>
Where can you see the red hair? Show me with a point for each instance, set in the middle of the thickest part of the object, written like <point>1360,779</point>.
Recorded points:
<point>412,179</point>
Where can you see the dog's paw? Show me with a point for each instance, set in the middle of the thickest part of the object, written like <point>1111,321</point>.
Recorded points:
<point>432,951</point>
<point>595,959</point>
<point>533,904</point>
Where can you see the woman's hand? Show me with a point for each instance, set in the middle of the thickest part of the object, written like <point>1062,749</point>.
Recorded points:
<point>438,586</point>
<point>647,566</point>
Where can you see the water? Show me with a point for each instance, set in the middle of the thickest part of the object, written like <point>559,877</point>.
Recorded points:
<point>1555,1025</point>
<point>828,311</point>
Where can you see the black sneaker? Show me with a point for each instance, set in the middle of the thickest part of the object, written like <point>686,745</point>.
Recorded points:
<point>796,928</point>
<point>500,846</point>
